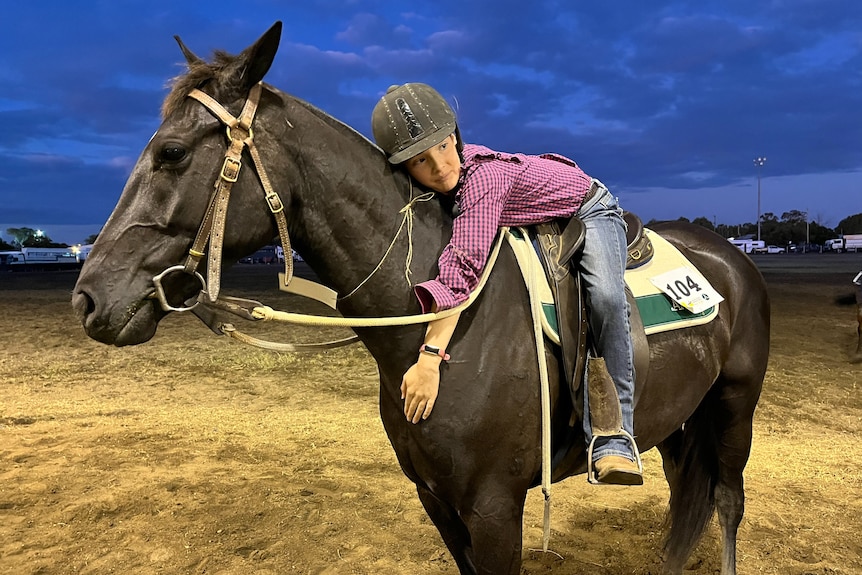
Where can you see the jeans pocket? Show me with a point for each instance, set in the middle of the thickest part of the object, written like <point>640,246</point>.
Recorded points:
<point>609,201</point>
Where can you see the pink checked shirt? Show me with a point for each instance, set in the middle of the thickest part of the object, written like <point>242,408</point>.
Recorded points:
<point>499,189</point>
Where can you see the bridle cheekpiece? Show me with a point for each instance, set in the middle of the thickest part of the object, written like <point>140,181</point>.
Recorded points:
<point>211,231</point>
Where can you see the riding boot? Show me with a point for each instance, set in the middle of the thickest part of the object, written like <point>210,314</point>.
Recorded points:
<point>607,421</point>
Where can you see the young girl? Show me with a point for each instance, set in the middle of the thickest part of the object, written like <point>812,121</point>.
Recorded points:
<point>417,129</point>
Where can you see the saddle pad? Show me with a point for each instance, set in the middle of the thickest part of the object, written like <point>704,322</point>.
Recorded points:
<point>657,310</point>
<point>532,270</point>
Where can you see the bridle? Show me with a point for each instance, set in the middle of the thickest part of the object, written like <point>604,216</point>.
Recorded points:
<point>211,231</point>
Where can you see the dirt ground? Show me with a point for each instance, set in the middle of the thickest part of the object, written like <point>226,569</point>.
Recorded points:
<point>195,454</point>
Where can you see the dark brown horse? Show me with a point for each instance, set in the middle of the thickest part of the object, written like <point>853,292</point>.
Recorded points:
<point>475,458</point>
<point>857,281</point>
<point>857,356</point>
<point>855,299</point>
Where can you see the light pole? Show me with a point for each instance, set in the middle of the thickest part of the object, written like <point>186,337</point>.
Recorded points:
<point>758,162</point>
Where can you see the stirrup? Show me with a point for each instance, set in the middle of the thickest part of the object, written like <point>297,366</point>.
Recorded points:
<point>622,432</point>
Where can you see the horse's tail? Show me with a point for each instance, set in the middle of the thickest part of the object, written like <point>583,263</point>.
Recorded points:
<point>692,496</point>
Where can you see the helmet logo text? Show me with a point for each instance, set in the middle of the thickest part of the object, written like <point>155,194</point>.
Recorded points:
<point>413,125</point>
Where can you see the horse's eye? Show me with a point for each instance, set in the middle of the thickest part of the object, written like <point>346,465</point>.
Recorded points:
<point>172,153</point>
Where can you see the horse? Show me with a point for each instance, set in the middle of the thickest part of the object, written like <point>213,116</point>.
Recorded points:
<point>855,299</point>
<point>857,355</point>
<point>474,459</point>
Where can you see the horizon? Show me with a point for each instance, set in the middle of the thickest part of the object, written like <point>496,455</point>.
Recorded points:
<point>669,104</point>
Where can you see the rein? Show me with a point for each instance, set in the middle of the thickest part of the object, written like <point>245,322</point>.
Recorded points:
<point>254,310</point>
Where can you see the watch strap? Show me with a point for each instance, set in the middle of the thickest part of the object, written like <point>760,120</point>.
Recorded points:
<point>434,350</point>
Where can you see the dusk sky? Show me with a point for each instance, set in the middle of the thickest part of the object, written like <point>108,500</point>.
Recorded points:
<point>668,103</point>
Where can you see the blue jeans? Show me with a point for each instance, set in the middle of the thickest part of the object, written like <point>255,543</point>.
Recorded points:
<point>602,267</point>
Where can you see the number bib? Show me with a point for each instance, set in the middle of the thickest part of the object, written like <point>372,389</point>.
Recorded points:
<point>688,288</point>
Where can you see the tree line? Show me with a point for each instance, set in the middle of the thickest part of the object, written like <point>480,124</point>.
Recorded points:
<point>792,227</point>
<point>30,238</point>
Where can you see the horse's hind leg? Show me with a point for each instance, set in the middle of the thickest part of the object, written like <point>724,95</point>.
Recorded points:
<point>733,422</point>
<point>704,463</point>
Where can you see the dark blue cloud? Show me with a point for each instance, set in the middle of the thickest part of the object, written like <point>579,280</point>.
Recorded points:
<point>650,97</point>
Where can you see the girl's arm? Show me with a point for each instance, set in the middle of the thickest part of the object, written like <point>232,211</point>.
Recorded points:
<point>421,383</point>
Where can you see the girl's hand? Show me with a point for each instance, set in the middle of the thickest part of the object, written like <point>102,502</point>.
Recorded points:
<point>419,388</point>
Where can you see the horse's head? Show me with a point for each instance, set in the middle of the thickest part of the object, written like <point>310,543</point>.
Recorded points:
<point>168,201</point>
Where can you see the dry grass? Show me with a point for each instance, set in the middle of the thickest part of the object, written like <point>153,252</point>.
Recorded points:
<point>194,454</point>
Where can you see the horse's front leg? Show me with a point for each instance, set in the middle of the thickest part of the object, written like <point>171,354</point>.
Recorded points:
<point>451,528</point>
<point>495,523</point>
<point>484,536</point>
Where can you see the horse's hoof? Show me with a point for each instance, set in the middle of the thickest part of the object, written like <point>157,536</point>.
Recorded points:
<point>617,470</point>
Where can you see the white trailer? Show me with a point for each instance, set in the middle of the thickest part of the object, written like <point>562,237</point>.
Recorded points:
<point>749,246</point>
<point>44,259</point>
<point>48,255</point>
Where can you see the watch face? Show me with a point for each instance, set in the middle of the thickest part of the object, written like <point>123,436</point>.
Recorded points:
<point>432,349</point>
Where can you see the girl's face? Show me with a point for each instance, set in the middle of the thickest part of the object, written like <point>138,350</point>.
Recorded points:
<point>437,168</point>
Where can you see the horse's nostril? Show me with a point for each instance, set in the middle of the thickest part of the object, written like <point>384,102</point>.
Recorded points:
<point>91,304</point>
<point>83,304</point>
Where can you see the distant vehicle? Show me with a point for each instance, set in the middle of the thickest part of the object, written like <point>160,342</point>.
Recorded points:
<point>834,245</point>
<point>846,243</point>
<point>81,252</point>
<point>748,245</point>
<point>808,248</point>
<point>11,258</point>
<point>265,255</point>
<point>39,258</point>
<point>775,250</point>
<point>48,255</point>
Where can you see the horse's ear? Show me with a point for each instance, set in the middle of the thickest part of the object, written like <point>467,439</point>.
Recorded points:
<point>190,56</point>
<point>259,56</point>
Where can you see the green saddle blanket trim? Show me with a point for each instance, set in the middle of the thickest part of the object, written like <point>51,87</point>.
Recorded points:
<point>659,314</point>
<point>550,311</point>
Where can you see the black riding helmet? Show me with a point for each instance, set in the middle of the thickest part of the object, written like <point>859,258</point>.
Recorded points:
<point>410,119</point>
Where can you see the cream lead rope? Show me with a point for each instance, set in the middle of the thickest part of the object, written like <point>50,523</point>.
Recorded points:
<point>408,220</point>
<point>267,313</point>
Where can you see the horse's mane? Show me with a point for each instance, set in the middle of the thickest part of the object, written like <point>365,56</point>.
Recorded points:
<point>221,72</point>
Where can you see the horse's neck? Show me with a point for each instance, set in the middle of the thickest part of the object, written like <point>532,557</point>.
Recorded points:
<point>350,204</point>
